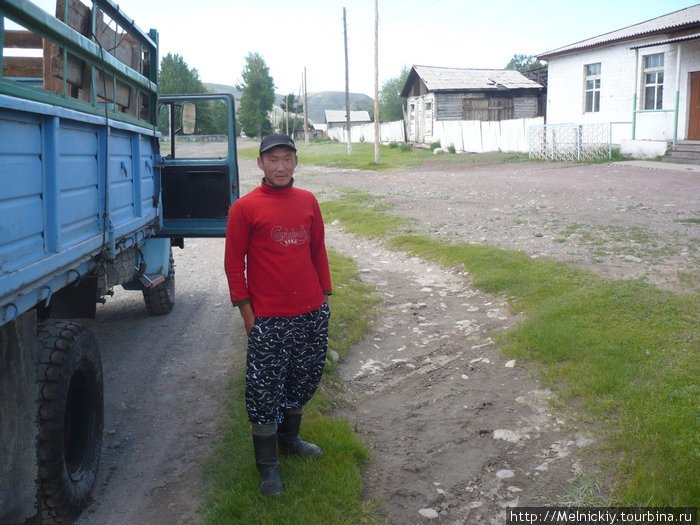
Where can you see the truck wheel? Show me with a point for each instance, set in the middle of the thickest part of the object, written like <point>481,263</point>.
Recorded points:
<point>160,299</point>
<point>71,418</point>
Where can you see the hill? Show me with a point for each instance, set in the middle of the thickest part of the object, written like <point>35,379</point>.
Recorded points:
<point>318,102</point>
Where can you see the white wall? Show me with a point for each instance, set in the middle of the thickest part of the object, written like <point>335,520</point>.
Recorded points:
<point>565,93</point>
<point>477,136</point>
<point>388,132</point>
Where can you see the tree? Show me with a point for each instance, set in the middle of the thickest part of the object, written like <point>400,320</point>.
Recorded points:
<point>364,105</point>
<point>176,78</point>
<point>295,106</point>
<point>258,96</point>
<point>391,103</point>
<point>524,63</point>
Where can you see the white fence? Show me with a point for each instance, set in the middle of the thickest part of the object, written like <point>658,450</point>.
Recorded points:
<point>388,132</point>
<point>572,142</point>
<point>476,136</point>
<point>473,136</point>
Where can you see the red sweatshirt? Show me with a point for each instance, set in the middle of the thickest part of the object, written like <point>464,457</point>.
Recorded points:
<point>276,253</point>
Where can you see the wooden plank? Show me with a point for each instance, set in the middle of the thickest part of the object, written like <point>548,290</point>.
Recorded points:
<point>78,16</point>
<point>23,67</point>
<point>126,50</point>
<point>22,39</point>
<point>78,73</point>
<point>51,83</point>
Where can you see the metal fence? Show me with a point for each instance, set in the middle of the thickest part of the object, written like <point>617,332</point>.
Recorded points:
<point>570,142</point>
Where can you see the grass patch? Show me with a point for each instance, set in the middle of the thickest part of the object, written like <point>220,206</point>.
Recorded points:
<point>334,155</point>
<point>323,490</point>
<point>622,355</point>
<point>363,214</point>
<point>689,221</point>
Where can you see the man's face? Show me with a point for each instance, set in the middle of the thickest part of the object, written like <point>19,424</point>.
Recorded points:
<point>278,165</point>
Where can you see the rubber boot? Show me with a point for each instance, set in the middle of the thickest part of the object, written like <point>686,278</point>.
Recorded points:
<point>265,445</point>
<point>289,440</point>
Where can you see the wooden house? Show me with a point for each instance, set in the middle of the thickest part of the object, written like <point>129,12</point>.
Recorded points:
<point>440,93</point>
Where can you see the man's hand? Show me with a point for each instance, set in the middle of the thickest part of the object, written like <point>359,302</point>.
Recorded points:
<point>248,316</point>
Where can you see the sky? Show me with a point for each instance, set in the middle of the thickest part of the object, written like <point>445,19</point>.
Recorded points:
<point>215,36</point>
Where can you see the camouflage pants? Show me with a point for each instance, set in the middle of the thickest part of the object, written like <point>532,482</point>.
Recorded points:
<point>285,361</point>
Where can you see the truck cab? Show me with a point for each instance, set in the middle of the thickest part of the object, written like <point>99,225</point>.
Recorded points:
<point>199,171</point>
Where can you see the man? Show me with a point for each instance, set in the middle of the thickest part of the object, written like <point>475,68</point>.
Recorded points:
<point>278,276</point>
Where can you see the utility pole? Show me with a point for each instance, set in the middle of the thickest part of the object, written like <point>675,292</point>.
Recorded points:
<point>306,115</point>
<point>376,81</point>
<point>347,85</point>
<point>286,107</point>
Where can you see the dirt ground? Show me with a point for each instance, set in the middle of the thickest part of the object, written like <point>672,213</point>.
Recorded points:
<point>456,429</point>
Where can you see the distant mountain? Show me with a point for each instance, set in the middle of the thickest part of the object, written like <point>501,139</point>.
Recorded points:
<point>223,88</point>
<point>318,102</point>
<point>321,101</point>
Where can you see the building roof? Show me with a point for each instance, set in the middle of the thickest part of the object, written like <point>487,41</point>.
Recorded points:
<point>339,115</point>
<point>459,79</point>
<point>681,19</point>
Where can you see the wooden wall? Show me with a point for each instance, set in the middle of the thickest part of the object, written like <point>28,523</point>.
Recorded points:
<point>485,106</point>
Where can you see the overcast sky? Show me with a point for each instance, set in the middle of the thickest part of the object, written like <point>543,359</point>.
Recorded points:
<point>215,36</point>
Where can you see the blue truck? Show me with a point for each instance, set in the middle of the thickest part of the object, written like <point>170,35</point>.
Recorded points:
<point>88,201</point>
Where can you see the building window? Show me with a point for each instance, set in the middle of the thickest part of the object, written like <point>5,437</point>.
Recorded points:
<point>592,101</point>
<point>487,108</point>
<point>654,81</point>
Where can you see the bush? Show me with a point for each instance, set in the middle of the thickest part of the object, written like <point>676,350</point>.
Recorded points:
<point>406,147</point>
<point>393,145</point>
<point>434,145</point>
<point>451,148</point>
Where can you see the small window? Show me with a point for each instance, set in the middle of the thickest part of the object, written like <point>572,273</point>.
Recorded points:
<point>592,88</point>
<point>654,81</point>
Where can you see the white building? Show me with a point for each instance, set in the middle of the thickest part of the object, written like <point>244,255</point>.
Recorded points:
<point>646,75</point>
<point>338,118</point>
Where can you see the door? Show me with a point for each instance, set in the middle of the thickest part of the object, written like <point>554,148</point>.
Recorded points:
<point>694,113</point>
<point>199,174</point>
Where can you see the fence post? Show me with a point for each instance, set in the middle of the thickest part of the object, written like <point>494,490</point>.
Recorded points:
<point>551,142</point>
<point>579,133</point>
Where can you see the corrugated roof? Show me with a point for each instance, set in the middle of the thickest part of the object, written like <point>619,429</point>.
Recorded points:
<point>340,116</point>
<point>672,21</point>
<point>456,79</point>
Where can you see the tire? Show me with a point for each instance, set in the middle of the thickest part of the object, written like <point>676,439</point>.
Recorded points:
<point>71,418</point>
<point>160,299</point>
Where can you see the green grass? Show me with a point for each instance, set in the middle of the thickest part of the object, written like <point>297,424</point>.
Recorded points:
<point>363,214</point>
<point>622,356</point>
<point>323,490</point>
<point>334,155</point>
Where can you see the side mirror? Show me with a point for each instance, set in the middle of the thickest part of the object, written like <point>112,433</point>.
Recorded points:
<point>189,118</point>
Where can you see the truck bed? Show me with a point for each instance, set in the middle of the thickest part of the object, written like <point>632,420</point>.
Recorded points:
<point>79,163</point>
<point>72,188</point>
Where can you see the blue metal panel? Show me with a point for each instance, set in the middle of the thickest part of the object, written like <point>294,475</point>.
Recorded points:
<point>54,227</point>
<point>121,190</point>
<point>156,255</point>
<point>50,198</point>
<point>136,167</point>
<point>21,223</point>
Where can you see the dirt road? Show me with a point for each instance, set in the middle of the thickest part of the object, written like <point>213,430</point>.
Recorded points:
<point>455,428</point>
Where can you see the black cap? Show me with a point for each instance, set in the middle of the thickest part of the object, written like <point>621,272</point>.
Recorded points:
<point>276,139</point>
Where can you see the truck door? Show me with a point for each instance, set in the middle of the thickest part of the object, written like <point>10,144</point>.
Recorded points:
<point>199,174</point>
